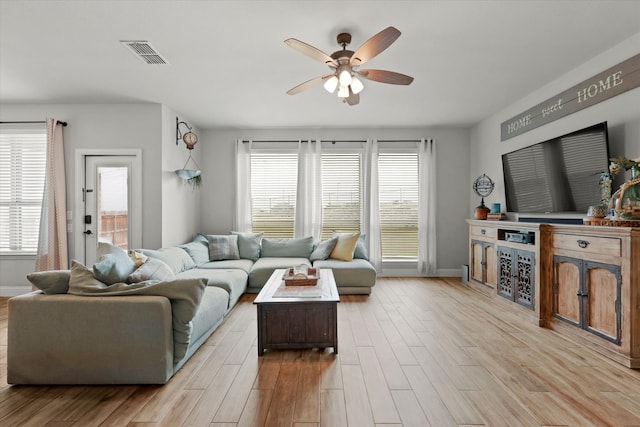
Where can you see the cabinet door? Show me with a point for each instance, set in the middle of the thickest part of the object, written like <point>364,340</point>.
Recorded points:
<point>566,289</point>
<point>490,265</point>
<point>477,263</point>
<point>505,272</point>
<point>525,284</point>
<point>602,300</point>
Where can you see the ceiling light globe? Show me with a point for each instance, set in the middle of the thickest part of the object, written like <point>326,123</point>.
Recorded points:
<point>343,92</point>
<point>345,78</point>
<point>331,84</point>
<point>356,85</point>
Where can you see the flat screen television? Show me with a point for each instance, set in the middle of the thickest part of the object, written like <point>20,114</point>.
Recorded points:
<point>560,175</point>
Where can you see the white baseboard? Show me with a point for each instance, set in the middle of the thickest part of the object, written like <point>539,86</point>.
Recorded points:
<point>12,291</point>
<point>441,272</point>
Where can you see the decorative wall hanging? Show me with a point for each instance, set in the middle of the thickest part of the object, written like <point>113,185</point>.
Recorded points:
<point>191,177</point>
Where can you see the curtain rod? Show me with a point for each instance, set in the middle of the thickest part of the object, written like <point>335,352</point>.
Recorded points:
<point>245,141</point>
<point>27,122</point>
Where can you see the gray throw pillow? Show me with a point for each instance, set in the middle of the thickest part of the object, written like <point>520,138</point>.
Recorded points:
<point>153,269</point>
<point>223,247</point>
<point>323,250</point>
<point>51,282</point>
<point>249,245</point>
<point>113,265</point>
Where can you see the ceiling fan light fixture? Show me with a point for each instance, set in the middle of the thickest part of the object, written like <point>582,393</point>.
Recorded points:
<point>343,91</point>
<point>345,78</point>
<point>356,85</point>
<point>331,84</point>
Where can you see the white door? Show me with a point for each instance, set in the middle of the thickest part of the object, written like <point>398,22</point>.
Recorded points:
<point>108,215</point>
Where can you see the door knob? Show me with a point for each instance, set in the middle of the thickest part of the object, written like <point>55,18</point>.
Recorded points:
<point>88,232</point>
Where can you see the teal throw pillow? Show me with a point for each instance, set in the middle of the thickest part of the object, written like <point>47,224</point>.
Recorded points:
<point>249,245</point>
<point>113,265</point>
<point>361,248</point>
<point>51,282</point>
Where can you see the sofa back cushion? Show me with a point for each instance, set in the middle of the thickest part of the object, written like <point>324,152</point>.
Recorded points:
<point>287,248</point>
<point>198,249</point>
<point>176,258</point>
<point>249,245</point>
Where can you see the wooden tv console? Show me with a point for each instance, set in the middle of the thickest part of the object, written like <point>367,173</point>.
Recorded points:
<point>581,281</point>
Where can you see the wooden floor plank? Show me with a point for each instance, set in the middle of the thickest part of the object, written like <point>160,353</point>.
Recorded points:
<point>417,351</point>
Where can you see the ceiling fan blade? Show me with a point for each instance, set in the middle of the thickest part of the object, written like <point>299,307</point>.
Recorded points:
<point>353,98</point>
<point>375,45</point>
<point>311,51</point>
<point>308,84</point>
<point>384,76</point>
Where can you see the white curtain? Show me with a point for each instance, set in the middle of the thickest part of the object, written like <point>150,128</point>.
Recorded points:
<point>427,209</point>
<point>52,241</point>
<point>308,220</point>
<point>372,219</point>
<point>242,219</point>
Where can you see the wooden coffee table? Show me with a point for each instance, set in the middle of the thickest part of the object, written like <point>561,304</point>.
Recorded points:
<point>305,318</point>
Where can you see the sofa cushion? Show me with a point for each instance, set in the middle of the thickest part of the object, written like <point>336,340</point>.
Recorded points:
<point>198,249</point>
<point>356,273</point>
<point>323,249</point>
<point>223,247</point>
<point>176,258</point>
<point>153,269</point>
<point>113,265</point>
<point>249,245</point>
<point>264,267</point>
<point>50,282</point>
<point>345,246</point>
<point>295,248</point>
<point>228,264</point>
<point>234,282</point>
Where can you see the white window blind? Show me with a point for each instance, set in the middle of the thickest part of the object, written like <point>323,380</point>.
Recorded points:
<point>341,196</point>
<point>22,174</point>
<point>398,199</point>
<point>273,192</point>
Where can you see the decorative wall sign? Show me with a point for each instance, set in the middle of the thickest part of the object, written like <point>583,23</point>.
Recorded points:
<point>607,84</point>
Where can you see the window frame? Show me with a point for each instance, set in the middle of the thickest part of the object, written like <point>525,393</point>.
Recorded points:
<point>16,242</point>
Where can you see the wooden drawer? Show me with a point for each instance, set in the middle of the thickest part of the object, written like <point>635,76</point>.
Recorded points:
<point>588,244</point>
<point>486,232</point>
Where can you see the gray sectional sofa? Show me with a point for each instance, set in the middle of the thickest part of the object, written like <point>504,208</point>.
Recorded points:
<point>125,334</point>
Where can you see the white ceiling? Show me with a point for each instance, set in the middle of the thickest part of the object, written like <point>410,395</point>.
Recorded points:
<point>229,67</point>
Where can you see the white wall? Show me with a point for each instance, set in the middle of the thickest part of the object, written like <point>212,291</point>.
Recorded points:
<point>180,202</point>
<point>621,112</point>
<point>452,151</point>
<point>145,126</point>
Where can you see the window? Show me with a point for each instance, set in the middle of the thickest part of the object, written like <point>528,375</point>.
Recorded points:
<point>273,192</point>
<point>22,175</point>
<point>341,199</point>
<point>398,204</point>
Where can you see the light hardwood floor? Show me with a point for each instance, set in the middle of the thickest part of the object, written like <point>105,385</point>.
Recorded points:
<point>417,352</point>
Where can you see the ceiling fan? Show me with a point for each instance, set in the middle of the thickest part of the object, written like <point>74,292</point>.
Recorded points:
<point>345,65</point>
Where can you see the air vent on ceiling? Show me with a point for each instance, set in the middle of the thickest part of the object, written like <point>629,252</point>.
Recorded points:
<point>143,50</point>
